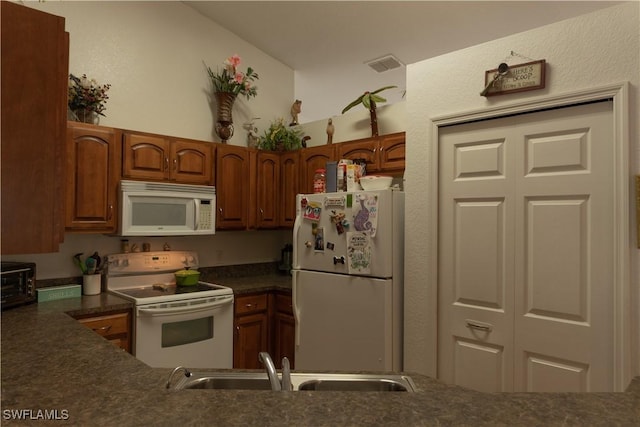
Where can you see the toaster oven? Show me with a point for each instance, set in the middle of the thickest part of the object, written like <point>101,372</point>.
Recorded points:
<point>18,283</point>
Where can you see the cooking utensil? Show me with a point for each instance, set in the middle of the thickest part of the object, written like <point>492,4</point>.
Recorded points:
<point>503,69</point>
<point>187,277</point>
<point>91,265</point>
<point>77,261</point>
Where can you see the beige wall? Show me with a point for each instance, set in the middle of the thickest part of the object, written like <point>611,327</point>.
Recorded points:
<point>152,54</point>
<point>592,50</point>
<point>356,124</point>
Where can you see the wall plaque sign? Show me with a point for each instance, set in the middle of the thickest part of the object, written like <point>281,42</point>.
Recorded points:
<point>519,78</point>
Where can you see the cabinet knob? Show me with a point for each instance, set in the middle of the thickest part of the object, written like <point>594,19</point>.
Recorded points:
<point>166,163</point>
<point>175,165</point>
<point>110,214</point>
<point>102,329</point>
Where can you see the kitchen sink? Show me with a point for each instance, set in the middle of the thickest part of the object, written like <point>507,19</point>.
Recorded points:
<point>348,384</point>
<point>228,383</point>
<point>299,381</point>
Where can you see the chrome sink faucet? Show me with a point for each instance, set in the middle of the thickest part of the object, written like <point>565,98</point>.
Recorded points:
<point>265,358</point>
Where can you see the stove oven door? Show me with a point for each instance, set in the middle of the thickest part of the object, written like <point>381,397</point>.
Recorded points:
<point>196,333</point>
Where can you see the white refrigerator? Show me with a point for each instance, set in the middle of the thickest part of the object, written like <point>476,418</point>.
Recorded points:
<point>347,280</point>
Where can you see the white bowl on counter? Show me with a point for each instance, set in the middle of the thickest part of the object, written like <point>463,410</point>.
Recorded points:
<point>375,182</point>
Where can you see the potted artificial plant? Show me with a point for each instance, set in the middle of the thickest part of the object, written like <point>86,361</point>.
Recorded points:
<point>280,137</point>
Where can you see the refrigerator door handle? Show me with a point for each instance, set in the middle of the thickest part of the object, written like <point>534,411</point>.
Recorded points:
<point>296,308</point>
<point>296,231</point>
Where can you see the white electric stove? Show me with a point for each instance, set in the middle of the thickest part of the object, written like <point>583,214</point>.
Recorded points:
<point>173,325</point>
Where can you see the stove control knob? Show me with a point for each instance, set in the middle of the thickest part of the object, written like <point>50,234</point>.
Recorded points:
<point>114,262</point>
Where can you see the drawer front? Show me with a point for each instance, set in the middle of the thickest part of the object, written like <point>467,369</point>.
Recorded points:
<point>251,304</point>
<point>108,325</point>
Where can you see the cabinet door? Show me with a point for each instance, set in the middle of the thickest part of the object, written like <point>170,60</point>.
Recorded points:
<point>145,157</point>
<point>267,194</point>
<point>232,187</point>
<point>92,178</point>
<point>289,188</point>
<point>35,59</point>
<point>362,149</point>
<point>192,162</point>
<point>311,159</point>
<point>250,340</point>
<point>392,152</point>
<point>284,331</point>
<point>251,323</point>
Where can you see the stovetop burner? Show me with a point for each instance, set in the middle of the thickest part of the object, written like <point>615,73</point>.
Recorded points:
<point>148,277</point>
<point>161,289</point>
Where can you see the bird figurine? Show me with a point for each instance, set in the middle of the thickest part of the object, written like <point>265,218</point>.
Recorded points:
<point>330,130</point>
<point>296,108</point>
<point>253,138</point>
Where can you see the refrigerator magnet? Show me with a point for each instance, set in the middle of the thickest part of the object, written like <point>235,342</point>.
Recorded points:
<point>338,218</point>
<point>335,202</point>
<point>312,211</point>
<point>319,240</point>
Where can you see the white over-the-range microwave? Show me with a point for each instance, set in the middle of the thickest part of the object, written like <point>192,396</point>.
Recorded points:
<point>164,209</point>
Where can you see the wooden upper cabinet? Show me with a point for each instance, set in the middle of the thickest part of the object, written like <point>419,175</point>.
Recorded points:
<point>392,152</point>
<point>266,190</point>
<point>92,178</point>
<point>289,187</point>
<point>313,158</point>
<point>145,157</point>
<point>34,78</point>
<point>160,158</point>
<point>192,162</point>
<point>366,149</point>
<point>232,187</point>
<point>384,154</point>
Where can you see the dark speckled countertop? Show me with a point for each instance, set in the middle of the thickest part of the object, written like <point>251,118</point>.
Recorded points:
<point>52,363</point>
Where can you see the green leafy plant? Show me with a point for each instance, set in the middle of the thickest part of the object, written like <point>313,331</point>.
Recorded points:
<point>369,100</point>
<point>232,80</point>
<point>280,137</point>
<point>86,94</point>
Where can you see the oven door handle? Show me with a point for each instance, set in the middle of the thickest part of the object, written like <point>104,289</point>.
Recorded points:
<point>187,309</point>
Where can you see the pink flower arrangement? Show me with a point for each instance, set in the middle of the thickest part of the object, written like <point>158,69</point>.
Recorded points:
<point>232,80</point>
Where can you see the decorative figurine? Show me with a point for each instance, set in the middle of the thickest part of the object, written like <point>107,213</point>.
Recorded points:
<point>296,109</point>
<point>252,133</point>
<point>330,130</point>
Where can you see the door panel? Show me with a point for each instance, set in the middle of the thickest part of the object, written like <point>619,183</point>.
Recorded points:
<point>479,366</point>
<point>525,251</point>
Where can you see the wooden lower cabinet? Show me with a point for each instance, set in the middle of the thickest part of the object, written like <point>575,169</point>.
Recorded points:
<point>251,334</point>
<point>263,322</point>
<point>114,327</point>
<point>284,330</point>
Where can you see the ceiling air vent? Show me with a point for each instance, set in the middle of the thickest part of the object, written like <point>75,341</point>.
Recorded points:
<point>388,62</point>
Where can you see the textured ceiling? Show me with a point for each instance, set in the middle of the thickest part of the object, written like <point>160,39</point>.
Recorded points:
<point>306,34</point>
<point>328,43</point>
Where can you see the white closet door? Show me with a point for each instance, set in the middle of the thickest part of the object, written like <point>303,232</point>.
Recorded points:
<point>525,252</point>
